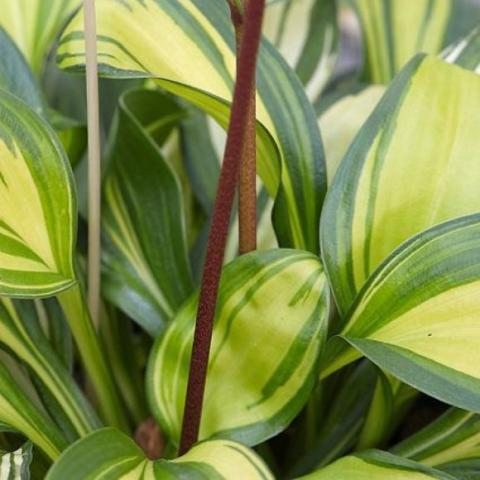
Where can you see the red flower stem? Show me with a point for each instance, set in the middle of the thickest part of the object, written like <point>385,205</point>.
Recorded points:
<point>247,210</point>
<point>237,134</point>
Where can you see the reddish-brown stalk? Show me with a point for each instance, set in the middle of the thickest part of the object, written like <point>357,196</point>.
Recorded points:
<point>247,209</point>
<point>237,135</point>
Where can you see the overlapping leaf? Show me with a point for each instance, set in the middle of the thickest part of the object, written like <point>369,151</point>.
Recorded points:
<point>397,179</point>
<point>418,311</point>
<point>339,423</point>
<point>146,269</point>
<point>465,52</point>
<point>17,78</point>
<point>34,24</point>
<point>454,437</point>
<point>268,334</point>
<point>431,26</point>
<point>391,400</point>
<point>20,332</point>
<point>341,122</point>
<point>307,35</point>
<point>16,465</point>
<point>37,219</point>
<point>93,356</point>
<point>376,465</point>
<point>110,454</point>
<point>195,59</point>
<point>18,412</point>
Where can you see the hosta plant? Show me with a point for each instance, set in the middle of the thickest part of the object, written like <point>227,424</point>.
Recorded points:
<point>296,299</point>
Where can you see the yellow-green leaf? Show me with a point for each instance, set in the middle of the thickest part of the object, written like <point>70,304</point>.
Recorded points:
<point>395,30</point>
<point>269,332</point>
<point>417,317</point>
<point>16,465</point>
<point>398,179</point>
<point>189,47</point>
<point>34,24</point>
<point>376,465</point>
<point>341,122</point>
<point>37,216</point>
<point>146,268</point>
<point>307,35</point>
<point>20,331</point>
<point>21,414</point>
<point>110,454</point>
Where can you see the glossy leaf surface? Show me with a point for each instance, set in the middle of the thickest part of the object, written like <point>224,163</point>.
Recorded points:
<point>397,179</point>
<point>291,160</point>
<point>37,220</point>
<point>268,334</point>
<point>419,310</point>
<point>146,269</point>
<point>376,465</point>
<point>109,455</point>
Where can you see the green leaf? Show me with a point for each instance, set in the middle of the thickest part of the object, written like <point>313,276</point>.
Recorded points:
<point>341,122</point>
<point>465,52</point>
<point>290,152</point>
<point>37,220</point>
<point>21,332</point>
<point>72,134</point>
<point>34,24</point>
<point>201,160</point>
<point>395,30</point>
<point>93,356</point>
<point>418,311</point>
<point>376,465</point>
<point>397,179</point>
<point>268,334</point>
<point>468,469</point>
<point>339,422</point>
<point>55,327</point>
<point>307,35</point>
<point>391,401</point>
<point>120,340</point>
<point>18,412</point>
<point>16,465</point>
<point>17,78</point>
<point>453,437</point>
<point>146,268</point>
<point>109,454</point>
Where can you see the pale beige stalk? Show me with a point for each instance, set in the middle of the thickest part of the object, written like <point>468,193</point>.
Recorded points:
<point>94,170</point>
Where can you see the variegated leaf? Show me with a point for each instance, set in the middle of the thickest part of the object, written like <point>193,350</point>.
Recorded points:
<point>268,335</point>
<point>109,455</point>
<point>376,465</point>
<point>307,34</point>
<point>21,332</point>
<point>395,30</point>
<point>16,465</point>
<point>146,268</point>
<point>37,216</point>
<point>338,424</point>
<point>34,24</point>
<point>465,52</point>
<point>290,152</point>
<point>17,78</point>
<point>419,310</point>
<point>341,122</point>
<point>391,401</point>
<point>397,179</point>
<point>20,413</point>
<point>453,437</point>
